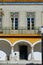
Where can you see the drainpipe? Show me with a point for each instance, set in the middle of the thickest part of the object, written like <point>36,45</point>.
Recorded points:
<point>42,43</point>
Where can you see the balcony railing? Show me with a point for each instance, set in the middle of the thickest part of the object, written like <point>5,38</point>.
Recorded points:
<point>20,31</point>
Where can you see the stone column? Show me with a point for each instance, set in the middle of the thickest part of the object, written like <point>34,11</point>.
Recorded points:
<point>32,57</point>
<point>12,54</point>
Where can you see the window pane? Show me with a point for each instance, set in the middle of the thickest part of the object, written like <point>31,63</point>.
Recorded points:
<point>16,27</point>
<point>32,20</point>
<point>16,18</point>
<point>28,23</point>
<point>0,22</point>
<point>32,27</point>
<point>28,28</point>
<point>12,19</point>
<point>16,23</point>
<point>28,19</point>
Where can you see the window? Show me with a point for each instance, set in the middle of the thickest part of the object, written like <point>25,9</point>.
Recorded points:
<point>0,22</point>
<point>12,22</point>
<point>28,23</point>
<point>30,20</point>
<point>14,19</point>
<point>16,23</point>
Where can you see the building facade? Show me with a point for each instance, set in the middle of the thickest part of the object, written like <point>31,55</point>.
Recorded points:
<point>20,32</point>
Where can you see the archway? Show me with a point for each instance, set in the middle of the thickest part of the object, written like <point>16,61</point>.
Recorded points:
<point>5,46</point>
<point>2,56</point>
<point>23,48</point>
<point>37,54</point>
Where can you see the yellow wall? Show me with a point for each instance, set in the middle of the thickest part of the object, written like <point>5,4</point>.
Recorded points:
<point>13,40</point>
<point>32,40</point>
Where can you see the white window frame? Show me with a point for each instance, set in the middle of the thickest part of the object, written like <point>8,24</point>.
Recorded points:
<point>15,15</point>
<point>30,16</point>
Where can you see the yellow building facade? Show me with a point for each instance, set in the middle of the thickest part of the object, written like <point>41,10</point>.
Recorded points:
<point>20,32</point>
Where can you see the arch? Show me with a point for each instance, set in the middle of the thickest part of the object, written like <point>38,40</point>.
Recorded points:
<point>36,43</point>
<point>23,41</point>
<point>6,41</point>
<point>3,55</point>
<point>37,53</point>
<point>5,46</point>
<point>18,47</point>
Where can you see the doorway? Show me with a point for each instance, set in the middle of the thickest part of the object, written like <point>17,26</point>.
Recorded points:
<point>23,52</point>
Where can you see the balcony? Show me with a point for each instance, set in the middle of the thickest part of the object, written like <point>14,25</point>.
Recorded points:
<point>20,31</point>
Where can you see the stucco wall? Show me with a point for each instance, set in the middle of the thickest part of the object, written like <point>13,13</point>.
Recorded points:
<point>22,9</point>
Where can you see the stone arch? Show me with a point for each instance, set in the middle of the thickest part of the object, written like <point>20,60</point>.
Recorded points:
<point>5,45</point>
<point>37,50</point>
<point>3,55</point>
<point>36,42</point>
<point>22,43</point>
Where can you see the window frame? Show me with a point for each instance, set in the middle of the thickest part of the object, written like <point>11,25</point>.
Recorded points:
<point>14,15</point>
<point>30,16</point>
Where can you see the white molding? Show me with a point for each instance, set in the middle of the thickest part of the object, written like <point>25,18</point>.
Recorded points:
<point>37,42</point>
<point>6,41</point>
<point>22,41</point>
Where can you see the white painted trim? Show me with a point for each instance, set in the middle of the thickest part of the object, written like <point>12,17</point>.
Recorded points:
<point>36,43</point>
<point>22,41</point>
<point>6,41</point>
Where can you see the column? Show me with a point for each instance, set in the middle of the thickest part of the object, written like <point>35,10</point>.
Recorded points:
<point>12,54</point>
<point>32,57</point>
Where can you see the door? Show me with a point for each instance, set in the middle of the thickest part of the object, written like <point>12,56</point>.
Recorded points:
<point>23,52</point>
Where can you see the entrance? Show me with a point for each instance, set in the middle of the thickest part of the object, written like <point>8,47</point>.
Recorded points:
<point>23,52</point>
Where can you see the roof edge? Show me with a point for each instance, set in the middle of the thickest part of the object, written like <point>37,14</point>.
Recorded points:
<point>21,3</point>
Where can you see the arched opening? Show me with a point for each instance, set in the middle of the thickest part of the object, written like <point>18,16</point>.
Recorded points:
<point>22,49</point>
<point>5,46</point>
<point>2,56</point>
<point>37,51</point>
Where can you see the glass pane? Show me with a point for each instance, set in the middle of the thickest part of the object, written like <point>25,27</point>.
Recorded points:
<point>32,24</point>
<point>16,18</point>
<point>32,19</point>
<point>16,23</point>
<point>0,22</point>
<point>16,27</point>
<point>28,28</point>
<point>28,23</point>
<point>28,19</point>
<point>32,27</point>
